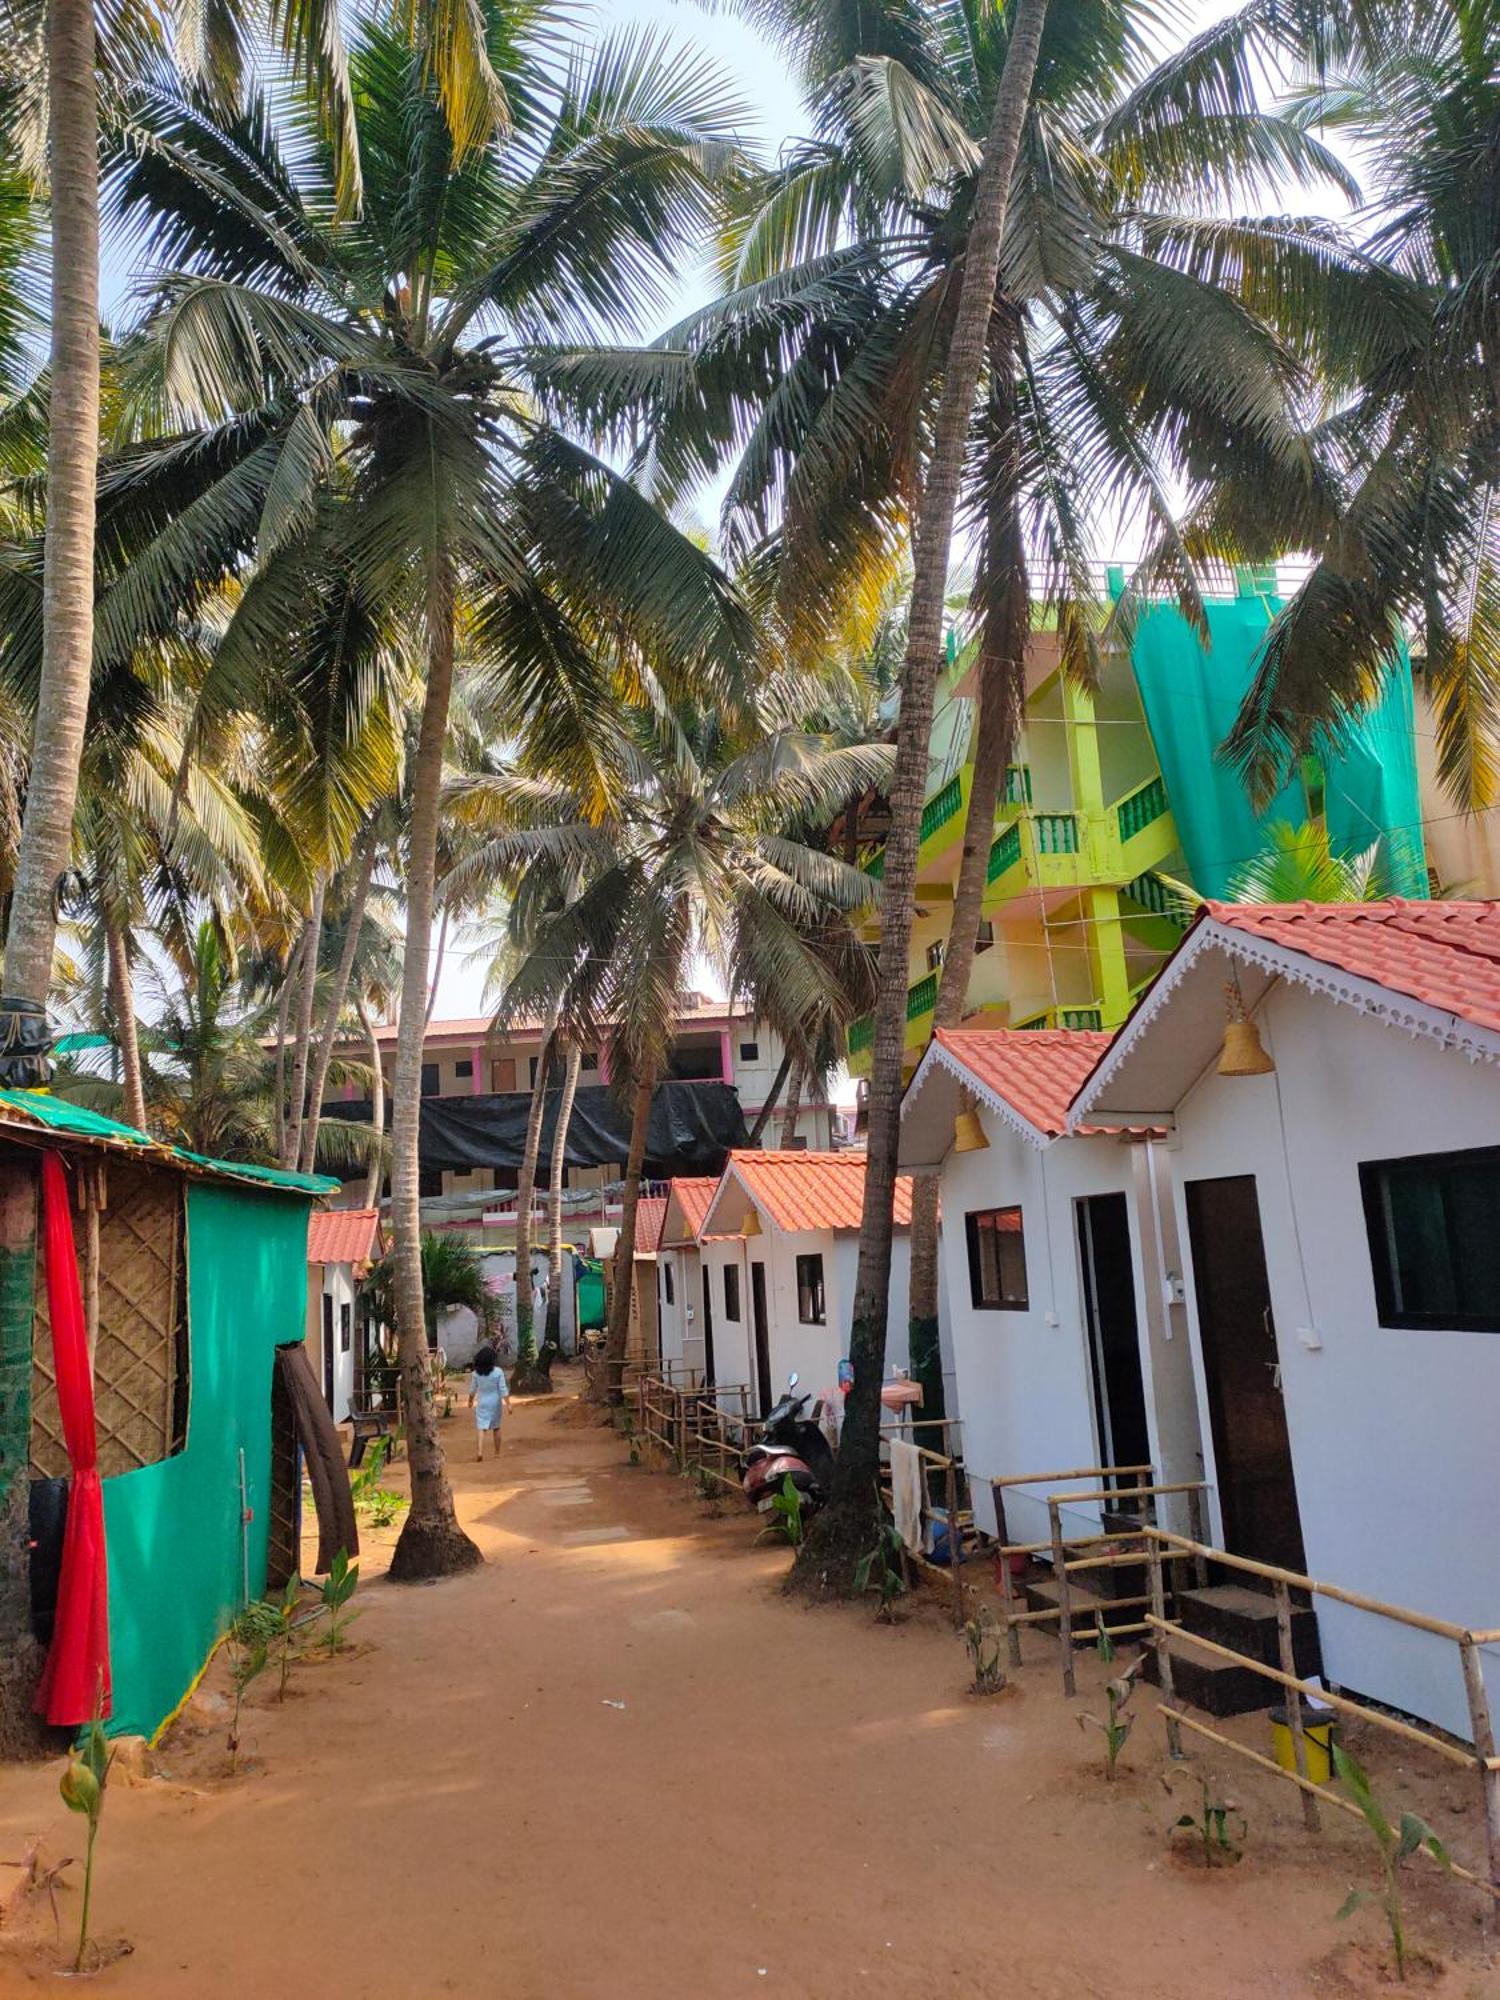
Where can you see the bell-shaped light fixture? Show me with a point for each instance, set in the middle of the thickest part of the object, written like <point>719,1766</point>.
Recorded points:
<point>751,1224</point>
<point>1242,1053</point>
<point>968,1132</point>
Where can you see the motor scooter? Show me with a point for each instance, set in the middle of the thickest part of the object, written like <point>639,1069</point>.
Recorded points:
<point>791,1445</point>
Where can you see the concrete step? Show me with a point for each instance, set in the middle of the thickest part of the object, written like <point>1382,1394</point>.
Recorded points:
<point>1216,1686</point>
<point>1245,1619</point>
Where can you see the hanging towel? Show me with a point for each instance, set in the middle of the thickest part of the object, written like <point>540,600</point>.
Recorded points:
<point>75,1680</point>
<point>906,1493</point>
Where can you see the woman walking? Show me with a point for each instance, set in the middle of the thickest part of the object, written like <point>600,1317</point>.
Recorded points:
<point>489,1397</point>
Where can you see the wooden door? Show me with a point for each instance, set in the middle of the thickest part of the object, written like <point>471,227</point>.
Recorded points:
<point>1108,1273</point>
<point>328,1349</point>
<point>762,1336</point>
<point>1242,1372</point>
<point>708,1328</point>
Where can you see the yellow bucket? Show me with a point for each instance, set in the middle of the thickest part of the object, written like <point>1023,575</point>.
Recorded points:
<point>1317,1734</point>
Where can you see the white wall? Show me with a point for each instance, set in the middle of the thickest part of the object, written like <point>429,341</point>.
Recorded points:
<point>336,1281</point>
<point>458,1332</point>
<point>734,1352</point>
<point>1393,1433</point>
<point>682,1341</point>
<point>1024,1385</point>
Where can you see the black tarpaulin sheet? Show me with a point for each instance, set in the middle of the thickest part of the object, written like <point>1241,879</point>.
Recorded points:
<point>693,1125</point>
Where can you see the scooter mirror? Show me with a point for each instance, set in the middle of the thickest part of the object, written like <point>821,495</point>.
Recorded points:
<point>792,1379</point>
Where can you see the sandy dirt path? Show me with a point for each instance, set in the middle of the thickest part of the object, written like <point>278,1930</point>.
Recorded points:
<point>616,1762</point>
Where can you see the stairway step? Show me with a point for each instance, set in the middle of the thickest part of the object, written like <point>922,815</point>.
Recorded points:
<point>1086,1604</point>
<point>1245,1620</point>
<point>1216,1686</point>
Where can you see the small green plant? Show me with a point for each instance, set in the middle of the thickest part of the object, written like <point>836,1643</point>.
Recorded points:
<point>339,1586</point>
<point>286,1616</point>
<point>367,1478</point>
<point>785,1524</point>
<point>881,1571</point>
<point>1396,1844</point>
<point>982,1639</point>
<point>1104,1644</point>
<point>1211,1824</point>
<point>250,1640</point>
<point>82,1786</point>
<point>1118,1723</point>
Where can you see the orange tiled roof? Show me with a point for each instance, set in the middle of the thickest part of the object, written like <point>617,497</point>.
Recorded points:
<point>813,1190</point>
<point>693,1197</point>
<point>650,1214</point>
<point>1037,1071</point>
<point>343,1236</point>
<point>1446,955</point>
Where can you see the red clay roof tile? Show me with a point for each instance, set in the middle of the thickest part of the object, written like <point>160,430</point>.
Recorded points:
<point>343,1236</point>
<point>693,1198</point>
<point>813,1190</point>
<point>1037,1071</point>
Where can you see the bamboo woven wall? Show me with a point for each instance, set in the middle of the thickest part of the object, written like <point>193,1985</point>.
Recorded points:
<point>141,1314</point>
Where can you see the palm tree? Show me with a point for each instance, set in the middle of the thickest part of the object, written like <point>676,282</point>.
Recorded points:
<point>356,402</point>
<point>1406,534</point>
<point>63,93</point>
<point>697,853</point>
<point>552,1332</point>
<point>453,1279</point>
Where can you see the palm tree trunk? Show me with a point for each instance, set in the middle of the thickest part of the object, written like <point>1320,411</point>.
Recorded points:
<point>72,466</point>
<point>623,1287</point>
<point>1003,589</point>
<point>289,979</point>
<point>552,1336</point>
<point>431,1542</point>
<point>328,1034</point>
<point>778,1082</point>
<point>793,1104</point>
<point>525,1193</point>
<point>437,966</point>
<point>122,996</point>
<point>842,1533</point>
<point>376,1173</point>
<point>291,1145</point>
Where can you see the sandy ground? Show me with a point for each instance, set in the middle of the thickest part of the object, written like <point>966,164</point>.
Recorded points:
<point>615,1762</point>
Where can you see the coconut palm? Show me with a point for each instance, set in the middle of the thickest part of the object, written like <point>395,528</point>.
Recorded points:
<point>1407,539</point>
<point>453,1279</point>
<point>698,854</point>
<point>354,403</point>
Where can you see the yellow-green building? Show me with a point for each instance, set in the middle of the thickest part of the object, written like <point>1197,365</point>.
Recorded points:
<point>1112,790</point>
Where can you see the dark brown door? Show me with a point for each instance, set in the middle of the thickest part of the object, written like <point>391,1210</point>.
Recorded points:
<point>762,1336</point>
<point>1242,1371</point>
<point>1114,1342</point>
<point>708,1328</point>
<point>328,1349</point>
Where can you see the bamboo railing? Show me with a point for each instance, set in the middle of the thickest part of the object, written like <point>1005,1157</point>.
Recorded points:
<point>1479,1756</point>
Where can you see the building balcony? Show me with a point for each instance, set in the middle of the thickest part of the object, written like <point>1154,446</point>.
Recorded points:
<point>1041,851</point>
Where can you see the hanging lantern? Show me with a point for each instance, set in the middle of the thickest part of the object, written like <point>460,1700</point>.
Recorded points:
<point>751,1224</point>
<point>1242,1054</point>
<point>968,1132</point>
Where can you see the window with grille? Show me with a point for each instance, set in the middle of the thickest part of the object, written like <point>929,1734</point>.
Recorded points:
<point>141,1352</point>
<point>997,1259</point>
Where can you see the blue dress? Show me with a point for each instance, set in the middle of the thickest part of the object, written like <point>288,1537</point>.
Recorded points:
<point>489,1393</point>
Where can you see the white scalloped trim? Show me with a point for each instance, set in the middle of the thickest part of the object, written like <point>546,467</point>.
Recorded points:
<point>989,1097</point>
<point>1364,996</point>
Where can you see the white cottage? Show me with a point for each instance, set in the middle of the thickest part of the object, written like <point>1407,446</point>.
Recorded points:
<point>1064,1349</point>
<point>1341,1257</point>
<point>684,1296</point>
<point>780,1244</point>
<point>342,1244</point>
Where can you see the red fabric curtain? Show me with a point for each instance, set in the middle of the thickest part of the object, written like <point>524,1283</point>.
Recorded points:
<point>75,1680</point>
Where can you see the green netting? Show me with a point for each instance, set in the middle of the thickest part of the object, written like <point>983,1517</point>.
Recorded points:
<point>17,1295</point>
<point>1191,697</point>
<point>173,1529</point>
<point>60,1116</point>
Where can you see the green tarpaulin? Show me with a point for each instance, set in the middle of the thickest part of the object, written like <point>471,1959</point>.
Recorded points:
<point>1191,697</point>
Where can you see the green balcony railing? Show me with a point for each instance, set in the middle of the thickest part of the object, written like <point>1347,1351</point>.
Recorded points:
<point>1036,1021</point>
<point>922,998</point>
<point>1018,785</point>
<point>875,866</point>
<point>861,1033</point>
<point>1005,853</point>
<point>1082,1017</point>
<point>1056,833</point>
<point>1147,803</point>
<point>1153,894</point>
<point>940,808</point>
